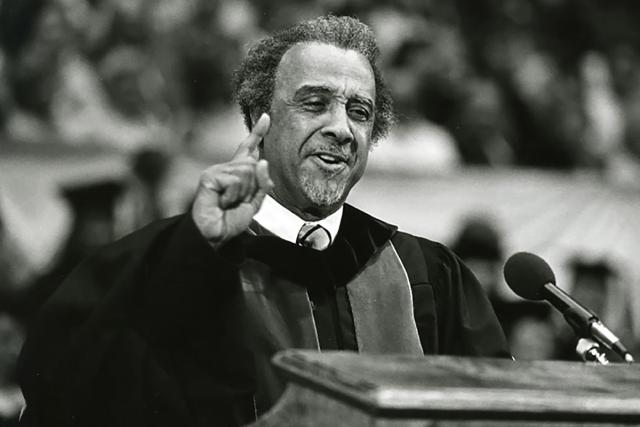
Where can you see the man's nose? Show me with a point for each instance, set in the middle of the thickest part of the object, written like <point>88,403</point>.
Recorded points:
<point>338,127</point>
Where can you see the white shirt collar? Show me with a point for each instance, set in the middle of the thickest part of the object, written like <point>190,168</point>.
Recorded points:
<point>286,225</point>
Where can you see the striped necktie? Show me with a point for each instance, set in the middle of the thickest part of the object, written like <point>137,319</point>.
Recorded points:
<point>314,236</point>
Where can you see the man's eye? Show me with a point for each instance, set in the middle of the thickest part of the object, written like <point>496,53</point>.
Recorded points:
<point>359,114</point>
<point>315,104</point>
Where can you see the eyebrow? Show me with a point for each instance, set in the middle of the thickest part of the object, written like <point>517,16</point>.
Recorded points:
<point>312,90</point>
<point>326,90</point>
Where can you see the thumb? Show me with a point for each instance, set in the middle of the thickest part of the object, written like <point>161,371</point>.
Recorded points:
<point>249,147</point>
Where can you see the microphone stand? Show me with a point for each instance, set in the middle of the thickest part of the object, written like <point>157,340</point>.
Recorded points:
<point>590,352</point>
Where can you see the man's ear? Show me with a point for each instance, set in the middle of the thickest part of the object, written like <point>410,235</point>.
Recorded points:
<point>254,118</point>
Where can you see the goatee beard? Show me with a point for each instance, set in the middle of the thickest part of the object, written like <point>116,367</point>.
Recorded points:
<point>323,192</point>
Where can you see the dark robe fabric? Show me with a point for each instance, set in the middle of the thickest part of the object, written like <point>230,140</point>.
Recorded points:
<point>159,329</point>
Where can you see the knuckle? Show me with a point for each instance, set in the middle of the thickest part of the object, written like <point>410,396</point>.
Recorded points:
<point>206,181</point>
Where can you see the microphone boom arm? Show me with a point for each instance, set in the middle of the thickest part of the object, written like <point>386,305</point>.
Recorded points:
<point>578,317</point>
<point>584,322</point>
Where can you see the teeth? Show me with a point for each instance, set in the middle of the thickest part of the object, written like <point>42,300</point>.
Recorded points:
<point>328,158</point>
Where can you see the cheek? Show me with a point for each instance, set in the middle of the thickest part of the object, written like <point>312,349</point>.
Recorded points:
<point>363,148</point>
<point>291,126</point>
<point>362,132</point>
<point>362,164</point>
<point>281,151</point>
<point>359,168</point>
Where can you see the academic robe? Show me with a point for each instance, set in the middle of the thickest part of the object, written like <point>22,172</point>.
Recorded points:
<point>160,329</point>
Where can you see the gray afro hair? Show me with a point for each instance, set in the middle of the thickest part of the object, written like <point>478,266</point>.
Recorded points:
<point>254,81</point>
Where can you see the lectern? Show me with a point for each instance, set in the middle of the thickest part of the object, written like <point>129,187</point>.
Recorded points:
<point>348,389</point>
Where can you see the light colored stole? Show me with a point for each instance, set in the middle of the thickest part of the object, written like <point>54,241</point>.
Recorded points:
<point>278,315</point>
<point>382,306</point>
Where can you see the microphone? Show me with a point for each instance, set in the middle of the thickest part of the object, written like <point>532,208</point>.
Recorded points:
<point>530,277</point>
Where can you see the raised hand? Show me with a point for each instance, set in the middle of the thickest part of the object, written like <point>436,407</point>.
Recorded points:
<point>230,194</point>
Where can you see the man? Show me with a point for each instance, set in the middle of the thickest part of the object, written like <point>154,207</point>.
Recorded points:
<point>176,324</point>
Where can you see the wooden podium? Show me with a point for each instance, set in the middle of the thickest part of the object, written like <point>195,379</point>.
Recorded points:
<point>348,389</point>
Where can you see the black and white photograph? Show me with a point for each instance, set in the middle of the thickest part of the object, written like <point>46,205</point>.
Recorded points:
<point>320,213</point>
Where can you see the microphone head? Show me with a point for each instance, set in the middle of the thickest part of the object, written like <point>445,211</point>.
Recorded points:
<point>526,274</point>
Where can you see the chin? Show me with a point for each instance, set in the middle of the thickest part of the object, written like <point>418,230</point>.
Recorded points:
<point>325,196</point>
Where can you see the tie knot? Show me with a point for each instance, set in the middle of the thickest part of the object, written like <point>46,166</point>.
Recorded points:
<point>314,236</point>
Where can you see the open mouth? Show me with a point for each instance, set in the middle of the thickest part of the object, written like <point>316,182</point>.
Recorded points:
<point>331,159</point>
<point>330,163</point>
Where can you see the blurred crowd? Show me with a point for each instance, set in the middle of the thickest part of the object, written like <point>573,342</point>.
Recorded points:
<point>545,83</point>
<point>549,84</point>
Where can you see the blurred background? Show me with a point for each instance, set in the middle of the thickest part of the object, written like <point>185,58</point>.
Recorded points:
<point>519,130</point>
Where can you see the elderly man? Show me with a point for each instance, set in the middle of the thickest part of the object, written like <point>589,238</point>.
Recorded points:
<point>176,323</point>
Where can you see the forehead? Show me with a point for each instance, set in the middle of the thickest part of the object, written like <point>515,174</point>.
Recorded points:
<point>318,64</point>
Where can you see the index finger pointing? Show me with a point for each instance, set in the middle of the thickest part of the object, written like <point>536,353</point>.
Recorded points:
<point>249,147</point>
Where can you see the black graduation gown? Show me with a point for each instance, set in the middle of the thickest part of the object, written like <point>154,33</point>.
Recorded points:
<point>148,331</point>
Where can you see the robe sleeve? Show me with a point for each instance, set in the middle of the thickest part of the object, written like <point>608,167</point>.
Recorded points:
<point>128,333</point>
<point>463,320</point>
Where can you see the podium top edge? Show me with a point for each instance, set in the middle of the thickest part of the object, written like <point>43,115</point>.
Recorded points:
<point>395,384</point>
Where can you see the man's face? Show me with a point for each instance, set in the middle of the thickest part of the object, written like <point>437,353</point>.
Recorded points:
<point>322,117</point>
